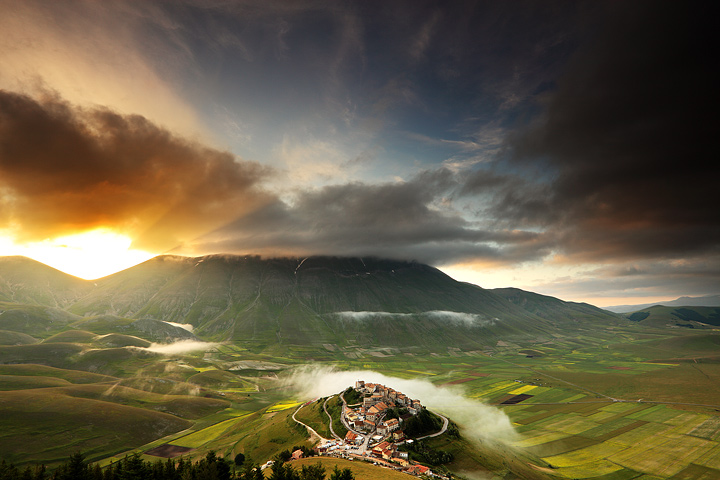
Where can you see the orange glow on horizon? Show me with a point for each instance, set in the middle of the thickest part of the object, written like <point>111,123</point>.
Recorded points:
<point>88,255</point>
<point>545,279</point>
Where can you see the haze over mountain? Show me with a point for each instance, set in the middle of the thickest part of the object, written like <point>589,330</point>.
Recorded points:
<point>704,301</point>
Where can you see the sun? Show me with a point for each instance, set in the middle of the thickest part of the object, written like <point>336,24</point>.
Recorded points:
<point>89,255</point>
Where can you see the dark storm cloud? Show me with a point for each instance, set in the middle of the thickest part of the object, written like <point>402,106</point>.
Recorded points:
<point>399,220</point>
<point>64,169</point>
<point>626,140</point>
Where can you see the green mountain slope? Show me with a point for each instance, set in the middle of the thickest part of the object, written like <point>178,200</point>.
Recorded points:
<point>26,281</point>
<point>556,310</point>
<point>689,317</point>
<point>312,301</point>
<point>270,303</point>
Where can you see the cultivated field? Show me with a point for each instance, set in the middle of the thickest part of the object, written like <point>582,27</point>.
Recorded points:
<point>637,404</point>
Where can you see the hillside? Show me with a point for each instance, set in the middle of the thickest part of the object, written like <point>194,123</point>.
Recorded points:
<point>554,309</point>
<point>704,301</point>
<point>689,317</point>
<point>78,366</point>
<point>263,303</point>
<point>26,281</point>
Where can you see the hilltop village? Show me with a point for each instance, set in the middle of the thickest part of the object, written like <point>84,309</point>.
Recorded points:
<point>375,427</point>
<point>370,415</point>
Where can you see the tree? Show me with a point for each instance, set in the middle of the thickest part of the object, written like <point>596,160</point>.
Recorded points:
<point>284,456</point>
<point>75,469</point>
<point>280,471</point>
<point>344,474</point>
<point>251,472</point>
<point>134,468</point>
<point>40,473</point>
<point>313,472</point>
<point>8,471</point>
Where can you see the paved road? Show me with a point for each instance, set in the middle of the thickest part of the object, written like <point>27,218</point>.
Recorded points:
<point>442,430</point>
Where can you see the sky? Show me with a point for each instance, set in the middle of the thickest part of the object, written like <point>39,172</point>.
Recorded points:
<point>562,147</point>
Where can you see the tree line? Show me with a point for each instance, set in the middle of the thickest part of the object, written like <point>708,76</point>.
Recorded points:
<point>133,467</point>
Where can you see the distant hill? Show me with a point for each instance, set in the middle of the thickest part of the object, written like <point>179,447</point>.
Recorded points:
<point>689,317</point>
<point>265,304</point>
<point>705,301</point>
<point>552,308</point>
<point>23,280</point>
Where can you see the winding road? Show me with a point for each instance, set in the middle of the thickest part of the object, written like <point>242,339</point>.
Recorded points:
<point>332,431</point>
<point>442,430</point>
<point>362,448</point>
<point>309,428</point>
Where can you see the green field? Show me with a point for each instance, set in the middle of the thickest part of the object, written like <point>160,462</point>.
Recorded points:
<point>627,408</point>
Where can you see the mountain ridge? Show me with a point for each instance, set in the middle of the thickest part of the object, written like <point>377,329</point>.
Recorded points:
<point>263,303</point>
<point>685,301</point>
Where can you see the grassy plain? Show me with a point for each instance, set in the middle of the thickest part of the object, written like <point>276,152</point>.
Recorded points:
<point>636,404</point>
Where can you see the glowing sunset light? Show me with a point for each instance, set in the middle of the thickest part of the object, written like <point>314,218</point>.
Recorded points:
<point>89,255</point>
<point>508,146</point>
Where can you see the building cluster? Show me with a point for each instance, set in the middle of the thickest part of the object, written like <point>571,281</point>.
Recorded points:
<point>368,419</point>
<point>378,399</point>
<point>384,454</point>
<point>371,436</point>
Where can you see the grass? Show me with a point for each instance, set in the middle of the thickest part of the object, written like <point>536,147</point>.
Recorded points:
<point>282,406</point>
<point>185,406</point>
<point>261,436</point>
<point>20,382</point>
<point>16,338</point>
<point>51,354</point>
<point>52,426</point>
<point>71,336</point>
<point>206,435</point>
<point>119,340</point>
<point>314,416</point>
<point>72,376</point>
<point>361,470</point>
<point>334,408</point>
<point>594,439</point>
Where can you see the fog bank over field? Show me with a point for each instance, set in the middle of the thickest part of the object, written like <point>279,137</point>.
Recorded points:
<point>179,347</point>
<point>476,420</point>
<point>467,319</point>
<point>185,326</point>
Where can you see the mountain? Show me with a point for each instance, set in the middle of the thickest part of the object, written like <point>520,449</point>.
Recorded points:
<point>26,281</point>
<point>705,301</point>
<point>273,303</point>
<point>552,308</point>
<point>690,317</point>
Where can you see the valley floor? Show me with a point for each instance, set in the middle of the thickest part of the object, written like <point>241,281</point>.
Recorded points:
<point>636,405</point>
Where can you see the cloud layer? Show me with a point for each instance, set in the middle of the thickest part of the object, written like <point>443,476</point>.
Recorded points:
<point>624,138</point>
<point>466,319</point>
<point>65,169</point>
<point>482,133</point>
